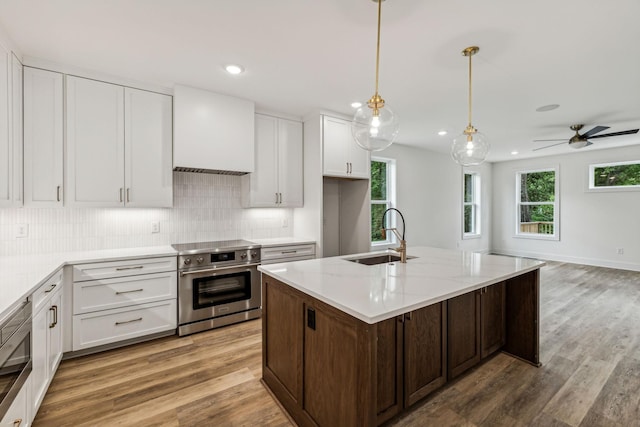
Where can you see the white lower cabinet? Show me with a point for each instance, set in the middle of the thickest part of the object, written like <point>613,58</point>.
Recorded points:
<point>19,413</point>
<point>47,338</point>
<point>120,300</point>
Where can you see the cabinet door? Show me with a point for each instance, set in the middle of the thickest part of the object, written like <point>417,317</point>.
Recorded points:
<point>6,147</point>
<point>389,368</point>
<point>330,369</point>
<point>43,137</point>
<point>95,143</point>
<point>55,333</point>
<point>359,160</point>
<point>463,333</point>
<point>16,128</point>
<point>493,300</point>
<point>336,135</point>
<point>282,323</point>
<point>148,149</point>
<point>263,187</point>
<point>40,357</point>
<point>425,351</point>
<point>18,414</point>
<point>290,163</point>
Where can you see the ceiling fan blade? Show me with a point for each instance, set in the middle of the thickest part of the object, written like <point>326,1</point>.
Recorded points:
<point>624,132</point>
<point>595,130</point>
<point>550,140</point>
<point>548,146</point>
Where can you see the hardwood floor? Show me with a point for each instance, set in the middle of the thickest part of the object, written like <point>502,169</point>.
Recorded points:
<point>590,374</point>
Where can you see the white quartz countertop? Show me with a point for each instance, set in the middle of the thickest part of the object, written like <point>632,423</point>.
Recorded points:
<point>21,275</point>
<point>379,292</point>
<point>282,241</point>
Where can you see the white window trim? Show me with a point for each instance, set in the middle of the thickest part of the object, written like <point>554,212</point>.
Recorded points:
<point>391,202</point>
<point>555,203</point>
<point>476,203</point>
<point>591,175</point>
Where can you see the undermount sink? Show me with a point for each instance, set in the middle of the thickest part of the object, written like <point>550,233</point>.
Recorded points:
<point>377,259</point>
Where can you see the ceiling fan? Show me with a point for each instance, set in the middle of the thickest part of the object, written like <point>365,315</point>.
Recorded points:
<point>579,141</point>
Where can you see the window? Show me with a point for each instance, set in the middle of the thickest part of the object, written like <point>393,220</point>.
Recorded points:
<point>471,205</point>
<point>537,204</point>
<point>382,198</point>
<point>615,176</point>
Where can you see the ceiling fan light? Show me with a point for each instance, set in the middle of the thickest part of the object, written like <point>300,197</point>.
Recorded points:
<point>578,144</point>
<point>470,149</point>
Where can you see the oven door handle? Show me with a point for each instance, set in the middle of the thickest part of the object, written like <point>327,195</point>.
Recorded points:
<point>211,270</point>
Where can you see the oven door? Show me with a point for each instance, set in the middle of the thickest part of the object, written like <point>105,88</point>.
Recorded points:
<point>15,357</point>
<point>209,293</point>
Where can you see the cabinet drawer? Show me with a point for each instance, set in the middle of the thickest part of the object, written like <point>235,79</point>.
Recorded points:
<point>104,327</point>
<point>281,253</point>
<point>44,292</point>
<point>95,295</point>
<point>286,259</point>
<point>130,267</point>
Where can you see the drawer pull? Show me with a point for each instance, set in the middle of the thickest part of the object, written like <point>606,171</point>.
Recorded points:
<point>128,292</point>
<point>17,422</point>
<point>129,321</point>
<point>135,267</point>
<point>289,252</point>
<point>51,288</point>
<point>53,324</point>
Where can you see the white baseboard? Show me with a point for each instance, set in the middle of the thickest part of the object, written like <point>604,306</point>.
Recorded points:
<point>570,259</point>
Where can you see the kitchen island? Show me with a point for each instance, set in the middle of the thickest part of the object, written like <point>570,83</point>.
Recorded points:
<point>346,343</point>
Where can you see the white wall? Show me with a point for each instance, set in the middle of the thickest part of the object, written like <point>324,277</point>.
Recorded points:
<point>206,207</point>
<point>592,224</point>
<point>429,195</point>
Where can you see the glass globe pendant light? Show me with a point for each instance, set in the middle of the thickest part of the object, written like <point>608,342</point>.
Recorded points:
<point>374,126</point>
<point>471,147</point>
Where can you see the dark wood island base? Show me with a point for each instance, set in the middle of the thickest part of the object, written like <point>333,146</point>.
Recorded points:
<point>328,368</point>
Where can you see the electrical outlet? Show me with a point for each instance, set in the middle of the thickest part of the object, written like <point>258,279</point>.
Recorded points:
<point>620,251</point>
<point>22,230</point>
<point>285,222</point>
<point>155,226</point>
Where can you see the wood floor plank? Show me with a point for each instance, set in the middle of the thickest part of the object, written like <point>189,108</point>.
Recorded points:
<point>590,373</point>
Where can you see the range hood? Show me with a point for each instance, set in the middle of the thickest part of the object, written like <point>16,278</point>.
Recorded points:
<point>213,133</point>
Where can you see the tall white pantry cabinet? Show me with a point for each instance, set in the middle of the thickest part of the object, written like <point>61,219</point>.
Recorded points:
<point>10,129</point>
<point>119,146</point>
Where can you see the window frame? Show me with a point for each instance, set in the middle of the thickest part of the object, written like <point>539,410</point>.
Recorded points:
<point>591,177</point>
<point>555,203</point>
<point>389,202</point>
<point>475,203</point>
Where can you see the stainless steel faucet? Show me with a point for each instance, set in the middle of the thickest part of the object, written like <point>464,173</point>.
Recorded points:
<point>402,249</point>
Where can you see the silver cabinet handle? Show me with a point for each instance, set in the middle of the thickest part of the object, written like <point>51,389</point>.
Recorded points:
<point>53,324</point>
<point>135,267</point>
<point>350,167</point>
<point>276,198</point>
<point>280,198</point>
<point>51,288</point>
<point>120,194</point>
<point>129,321</point>
<point>289,252</point>
<point>58,193</point>
<point>347,167</point>
<point>128,292</point>
<point>128,200</point>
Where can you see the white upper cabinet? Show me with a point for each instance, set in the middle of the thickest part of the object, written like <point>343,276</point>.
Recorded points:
<point>341,155</point>
<point>43,137</point>
<point>277,180</point>
<point>107,168</point>
<point>213,132</point>
<point>95,143</point>
<point>148,153</point>
<point>16,128</point>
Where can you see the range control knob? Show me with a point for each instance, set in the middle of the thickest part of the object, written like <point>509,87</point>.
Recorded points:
<point>254,254</point>
<point>243,255</point>
<point>200,260</point>
<point>187,261</point>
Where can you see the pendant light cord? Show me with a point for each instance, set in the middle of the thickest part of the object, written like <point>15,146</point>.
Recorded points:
<point>470,90</point>
<point>378,44</point>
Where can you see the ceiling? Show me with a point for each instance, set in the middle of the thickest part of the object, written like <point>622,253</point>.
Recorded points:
<point>302,55</point>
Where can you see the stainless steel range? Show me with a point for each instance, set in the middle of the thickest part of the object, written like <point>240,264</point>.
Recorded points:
<point>218,284</point>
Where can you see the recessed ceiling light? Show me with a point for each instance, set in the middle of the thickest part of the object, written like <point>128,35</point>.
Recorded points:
<point>513,153</point>
<point>442,132</point>
<point>234,69</point>
<point>547,107</point>
<point>356,104</point>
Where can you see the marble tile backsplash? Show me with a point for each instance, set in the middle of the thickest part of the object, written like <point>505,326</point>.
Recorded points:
<point>206,207</point>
